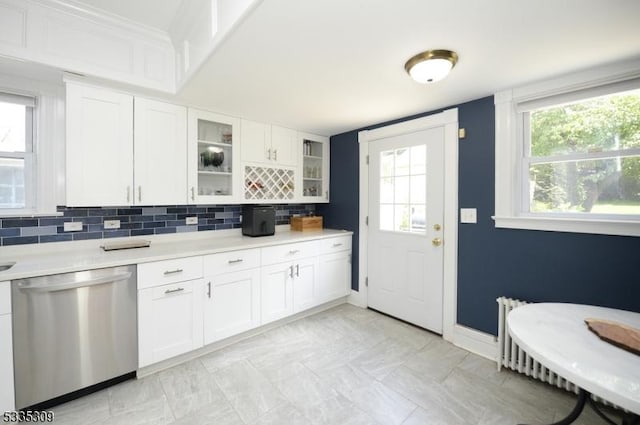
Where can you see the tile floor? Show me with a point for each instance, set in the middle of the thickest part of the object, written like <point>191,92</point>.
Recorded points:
<point>345,365</point>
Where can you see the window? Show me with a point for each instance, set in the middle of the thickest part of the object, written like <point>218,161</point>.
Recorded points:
<point>403,182</point>
<point>16,152</point>
<point>568,154</point>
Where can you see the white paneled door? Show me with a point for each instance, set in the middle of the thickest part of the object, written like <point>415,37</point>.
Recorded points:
<point>406,210</point>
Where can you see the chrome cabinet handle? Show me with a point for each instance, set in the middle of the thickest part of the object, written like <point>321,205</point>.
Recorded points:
<point>291,272</point>
<point>128,193</point>
<point>171,291</point>
<point>140,193</point>
<point>294,251</point>
<point>335,245</point>
<point>298,270</point>
<point>173,271</point>
<point>193,193</point>
<point>275,154</point>
<point>209,289</point>
<point>269,154</point>
<point>239,260</point>
<point>74,285</point>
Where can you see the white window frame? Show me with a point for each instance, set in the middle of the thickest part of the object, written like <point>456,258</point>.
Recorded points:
<point>511,106</point>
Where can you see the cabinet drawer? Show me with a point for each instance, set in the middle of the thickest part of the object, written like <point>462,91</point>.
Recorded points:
<point>281,253</point>
<point>169,271</point>
<point>172,290</point>
<point>5,297</point>
<point>341,243</point>
<point>233,261</point>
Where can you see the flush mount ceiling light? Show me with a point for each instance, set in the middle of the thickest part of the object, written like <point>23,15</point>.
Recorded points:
<point>431,66</point>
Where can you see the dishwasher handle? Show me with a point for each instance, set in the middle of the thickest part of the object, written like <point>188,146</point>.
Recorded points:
<point>74,285</point>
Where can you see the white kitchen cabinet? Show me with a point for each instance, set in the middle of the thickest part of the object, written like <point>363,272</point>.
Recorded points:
<point>335,275</point>
<point>160,153</point>
<point>103,138</point>
<point>313,175</point>
<point>306,290</point>
<point>7,401</point>
<point>269,144</point>
<point>170,320</point>
<point>214,172</point>
<point>276,292</point>
<point>231,304</point>
<point>99,147</point>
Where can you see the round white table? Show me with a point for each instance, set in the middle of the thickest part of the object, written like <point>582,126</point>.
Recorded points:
<point>556,335</point>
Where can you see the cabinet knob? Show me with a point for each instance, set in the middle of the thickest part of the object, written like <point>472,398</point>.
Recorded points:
<point>436,242</point>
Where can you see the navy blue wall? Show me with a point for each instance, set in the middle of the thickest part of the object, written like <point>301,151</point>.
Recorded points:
<point>530,265</point>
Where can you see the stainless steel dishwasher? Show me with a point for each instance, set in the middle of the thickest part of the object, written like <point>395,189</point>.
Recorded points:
<point>72,331</point>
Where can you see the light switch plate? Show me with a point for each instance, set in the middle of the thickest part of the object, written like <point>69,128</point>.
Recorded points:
<point>112,224</point>
<point>72,226</point>
<point>191,220</point>
<point>468,215</point>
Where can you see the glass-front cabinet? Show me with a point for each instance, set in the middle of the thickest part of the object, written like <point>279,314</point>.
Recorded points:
<point>214,163</point>
<point>313,168</point>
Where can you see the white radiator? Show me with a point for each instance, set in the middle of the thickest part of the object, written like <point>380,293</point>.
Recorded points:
<point>510,355</point>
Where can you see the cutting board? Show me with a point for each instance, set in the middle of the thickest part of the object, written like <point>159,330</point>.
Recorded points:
<point>618,334</point>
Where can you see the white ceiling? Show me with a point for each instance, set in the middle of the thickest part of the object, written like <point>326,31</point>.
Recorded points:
<point>329,66</point>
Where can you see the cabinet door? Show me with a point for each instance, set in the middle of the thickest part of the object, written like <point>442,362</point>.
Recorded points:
<point>99,147</point>
<point>160,152</point>
<point>276,292</point>
<point>305,284</point>
<point>232,304</point>
<point>256,142</point>
<point>284,146</point>
<point>6,364</point>
<point>313,168</point>
<point>169,321</point>
<point>214,158</point>
<point>335,276</point>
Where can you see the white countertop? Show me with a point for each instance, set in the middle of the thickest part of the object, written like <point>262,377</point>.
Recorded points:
<point>556,336</point>
<point>64,257</point>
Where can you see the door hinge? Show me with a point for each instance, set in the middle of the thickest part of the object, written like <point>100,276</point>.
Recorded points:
<point>366,281</point>
<point>367,159</point>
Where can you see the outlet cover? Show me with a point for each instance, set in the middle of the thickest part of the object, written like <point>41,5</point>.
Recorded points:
<point>468,215</point>
<point>73,226</point>
<point>191,220</point>
<point>112,224</point>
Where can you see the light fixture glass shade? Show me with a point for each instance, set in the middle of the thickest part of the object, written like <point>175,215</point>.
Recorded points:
<point>431,66</point>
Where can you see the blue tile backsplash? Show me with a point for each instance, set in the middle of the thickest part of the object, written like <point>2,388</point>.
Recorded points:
<point>134,221</point>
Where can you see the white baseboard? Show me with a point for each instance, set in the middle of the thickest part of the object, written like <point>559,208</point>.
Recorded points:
<point>477,342</point>
<point>358,299</point>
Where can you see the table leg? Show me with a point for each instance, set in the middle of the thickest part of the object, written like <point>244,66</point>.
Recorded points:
<point>583,396</point>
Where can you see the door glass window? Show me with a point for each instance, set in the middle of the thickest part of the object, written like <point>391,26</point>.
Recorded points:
<point>403,182</point>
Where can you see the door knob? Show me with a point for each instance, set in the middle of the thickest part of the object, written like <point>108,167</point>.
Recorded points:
<point>437,227</point>
<point>436,241</point>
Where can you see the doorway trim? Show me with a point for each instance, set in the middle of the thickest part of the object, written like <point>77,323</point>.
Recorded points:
<point>449,120</point>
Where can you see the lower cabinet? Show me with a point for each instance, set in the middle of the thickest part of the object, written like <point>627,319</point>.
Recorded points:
<point>306,292</point>
<point>276,299</point>
<point>6,350</point>
<point>335,276</point>
<point>169,320</point>
<point>231,304</point>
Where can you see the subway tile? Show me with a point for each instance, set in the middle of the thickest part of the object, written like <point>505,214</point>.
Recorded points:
<point>15,231</point>
<point>122,218</point>
<point>233,208</point>
<point>48,221</point>
<point>185,229</point>
<point>131,226</point>
<point>206,227</point>
<point>164,217</point>
<point>175,223</point>
<point>94,228</point>
<point>55,238</point>
<point>226,214</point>
<point>76,212</point>
<point>177,210</point>
<point>116,234</point>
<point>19,222</point>
<point>89,220</point>
<point>19,240</point>
<point>102,212</point>
<point>141,232</point>
<point>163,230</point>
<point>154,224</point>
<point>196,210</point>
<point>215,209</point>
<point>141,218</point>
<point>154,210</point>
<point>81,236</point>
<point>214,221</point>
<point>39,231</point>
<point>224,226</point>
<point>204,215</point>
<point>130,211</point>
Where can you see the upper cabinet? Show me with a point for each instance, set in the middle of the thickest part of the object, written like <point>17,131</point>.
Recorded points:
<point>101,170</point>
<point>314,168</point>
<point>99,151</point>
<point>160,154</point>
<point>213,167</point>
<point>268,144</point>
